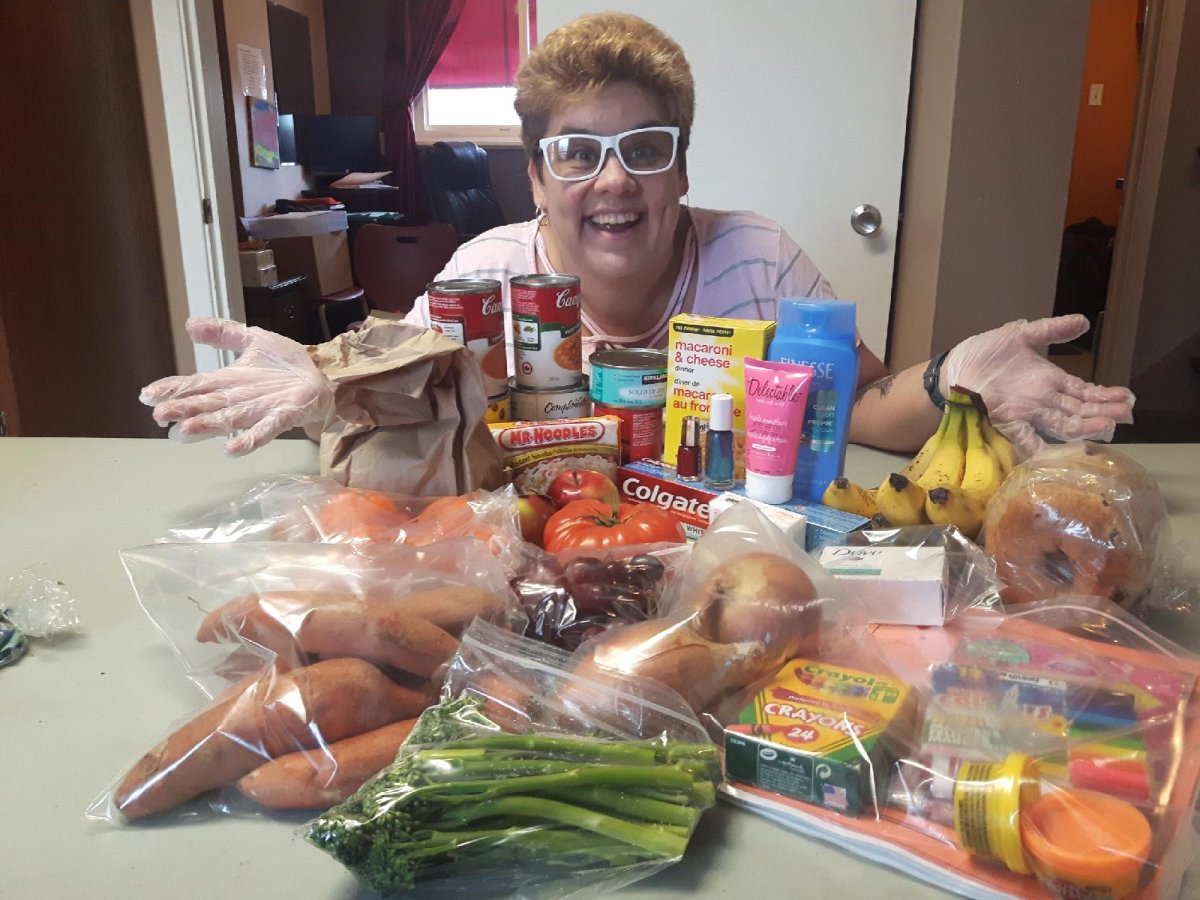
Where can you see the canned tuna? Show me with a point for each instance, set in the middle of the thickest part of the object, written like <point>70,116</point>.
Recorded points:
<point>628,376</point>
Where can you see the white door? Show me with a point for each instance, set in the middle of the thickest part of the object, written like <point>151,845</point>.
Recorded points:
<point>801,110</point>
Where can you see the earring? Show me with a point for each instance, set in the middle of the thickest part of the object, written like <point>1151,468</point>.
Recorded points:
<point>543,217</point>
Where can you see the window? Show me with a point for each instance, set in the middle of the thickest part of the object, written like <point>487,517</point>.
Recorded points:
<point>469,95</point>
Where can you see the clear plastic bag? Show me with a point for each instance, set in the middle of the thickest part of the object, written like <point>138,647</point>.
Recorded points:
<point>504,790</point>
<point>1079,519</point>
<point>969,579</point>
<point>301,648</point>
<point>1053,752</point>
<point>745,600</point>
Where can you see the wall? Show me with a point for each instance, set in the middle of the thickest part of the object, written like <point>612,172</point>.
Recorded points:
<point>987,168</point>
<point>1168,327</point>
<point>246,23</point>
<point>1102,132</point>
<point>81,302</point>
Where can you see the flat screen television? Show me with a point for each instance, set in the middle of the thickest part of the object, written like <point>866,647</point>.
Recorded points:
<point>335,145</point>
<point>287,140</point>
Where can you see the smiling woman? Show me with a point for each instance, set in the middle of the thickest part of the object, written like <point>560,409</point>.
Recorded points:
<point>606,104</point>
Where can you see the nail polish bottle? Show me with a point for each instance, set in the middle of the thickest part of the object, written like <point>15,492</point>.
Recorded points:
<point>718,448</point>
<point>687,457</point>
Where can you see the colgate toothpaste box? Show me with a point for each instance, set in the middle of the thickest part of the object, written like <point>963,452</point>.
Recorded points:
<point>646,481</point>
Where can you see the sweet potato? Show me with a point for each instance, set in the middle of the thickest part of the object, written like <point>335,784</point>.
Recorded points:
<point>268,618</point>
<point>293,626</point>
<point>312,780</point>
<point>272,715</point>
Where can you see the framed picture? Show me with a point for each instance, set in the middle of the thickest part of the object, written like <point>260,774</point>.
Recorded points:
<point>264,133</point>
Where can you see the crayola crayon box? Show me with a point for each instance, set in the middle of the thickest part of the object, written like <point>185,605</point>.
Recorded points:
<point>823,734</point>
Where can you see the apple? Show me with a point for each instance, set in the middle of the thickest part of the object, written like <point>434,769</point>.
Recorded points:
<point>583,484</point>
<point>533,512</point>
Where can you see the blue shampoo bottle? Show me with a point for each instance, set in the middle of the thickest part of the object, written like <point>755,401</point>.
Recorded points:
<point>821,334</point>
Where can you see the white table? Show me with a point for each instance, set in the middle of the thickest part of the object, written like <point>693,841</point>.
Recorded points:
<point>75,712</point>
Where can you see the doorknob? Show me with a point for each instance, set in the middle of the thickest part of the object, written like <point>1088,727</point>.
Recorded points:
<point>866,219</point>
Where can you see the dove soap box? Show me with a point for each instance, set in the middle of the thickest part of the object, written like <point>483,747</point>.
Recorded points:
<point>816,733</point>
<point>897,585</point>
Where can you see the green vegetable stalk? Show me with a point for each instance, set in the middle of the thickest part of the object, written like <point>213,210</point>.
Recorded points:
<point>491,814</point>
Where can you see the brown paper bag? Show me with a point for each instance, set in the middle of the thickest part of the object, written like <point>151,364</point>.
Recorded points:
<point>408,412</point>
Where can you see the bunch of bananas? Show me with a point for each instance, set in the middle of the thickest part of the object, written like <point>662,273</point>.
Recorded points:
<point>948,482</point>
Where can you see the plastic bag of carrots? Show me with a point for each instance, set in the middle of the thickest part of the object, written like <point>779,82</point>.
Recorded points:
<point>528,778</point>
<point>310,509</point>
<point>315,659</point>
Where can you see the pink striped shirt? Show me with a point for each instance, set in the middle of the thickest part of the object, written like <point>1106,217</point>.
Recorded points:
<point>742,264</point>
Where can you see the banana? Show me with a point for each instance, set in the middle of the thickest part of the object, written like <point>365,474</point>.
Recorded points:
<point>847,496</point>
<point>953,506</point>
<point>981,469</point>
<point>920,462</point>
<point>1005,452</point>
<point>946,466</point>
<point>901,500</point>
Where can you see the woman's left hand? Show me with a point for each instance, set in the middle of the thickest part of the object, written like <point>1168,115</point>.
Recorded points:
<point>1028,397</point>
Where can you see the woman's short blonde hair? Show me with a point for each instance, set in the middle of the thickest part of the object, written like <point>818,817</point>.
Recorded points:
<point>592,52</point>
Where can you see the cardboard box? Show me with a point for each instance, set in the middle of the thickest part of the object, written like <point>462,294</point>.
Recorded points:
<point>898,585</point>
<point>323,258</point>
<point>645,481</point>
<point>805,735</point>
<point>705,356</point>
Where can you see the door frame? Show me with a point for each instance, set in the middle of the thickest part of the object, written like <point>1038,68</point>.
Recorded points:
<point>176,43</point>
<point>1131,248</point>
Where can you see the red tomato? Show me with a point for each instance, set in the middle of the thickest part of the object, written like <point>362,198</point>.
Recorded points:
<point>593,524</point>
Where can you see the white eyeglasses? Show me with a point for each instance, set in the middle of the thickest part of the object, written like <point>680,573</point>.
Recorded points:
<point>643,151</point>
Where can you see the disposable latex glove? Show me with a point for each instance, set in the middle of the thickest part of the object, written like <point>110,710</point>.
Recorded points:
<point>1029,398</point>
<point>272,387</point>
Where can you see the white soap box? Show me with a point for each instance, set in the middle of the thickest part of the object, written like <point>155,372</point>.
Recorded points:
<point>898,585</point>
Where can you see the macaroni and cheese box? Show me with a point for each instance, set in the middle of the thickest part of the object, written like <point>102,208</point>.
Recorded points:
<point>705,356</point>
<point>821,733</point>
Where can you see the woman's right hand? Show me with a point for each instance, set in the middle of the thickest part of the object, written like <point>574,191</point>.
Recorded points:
<point>272,387</point>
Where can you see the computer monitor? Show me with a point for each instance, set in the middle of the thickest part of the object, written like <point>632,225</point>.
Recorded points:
<point>287,140</point>
<point>335,145</point>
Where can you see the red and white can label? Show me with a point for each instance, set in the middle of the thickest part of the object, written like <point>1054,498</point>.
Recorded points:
<point>471,312</point>
<point>641,430</point>
<point>547,340</point>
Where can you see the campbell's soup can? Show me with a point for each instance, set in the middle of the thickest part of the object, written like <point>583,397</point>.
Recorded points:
<point>499,409</point>
<point>629,376</point>
<point>471,312</point>
<point>545,404</point>
<point>641,430</point>
<point>547,340</point>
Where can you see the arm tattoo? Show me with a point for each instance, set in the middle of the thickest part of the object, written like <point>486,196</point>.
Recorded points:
<point>883,385</point>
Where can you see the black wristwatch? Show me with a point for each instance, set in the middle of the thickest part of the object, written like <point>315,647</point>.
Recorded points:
<point>930,379</point>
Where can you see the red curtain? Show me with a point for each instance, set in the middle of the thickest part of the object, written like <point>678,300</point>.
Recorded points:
<point>484,50</point>
<point>418,31</point>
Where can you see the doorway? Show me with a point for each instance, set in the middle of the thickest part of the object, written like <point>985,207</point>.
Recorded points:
<point>1103,132</point>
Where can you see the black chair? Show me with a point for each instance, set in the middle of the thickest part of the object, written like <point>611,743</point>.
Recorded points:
<point>458,186</point>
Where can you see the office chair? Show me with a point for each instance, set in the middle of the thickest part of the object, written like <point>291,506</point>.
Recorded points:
<point>394,263</point>
<point>458,186</point>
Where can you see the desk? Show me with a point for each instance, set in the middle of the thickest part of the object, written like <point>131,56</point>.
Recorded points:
<point>75,712</point>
